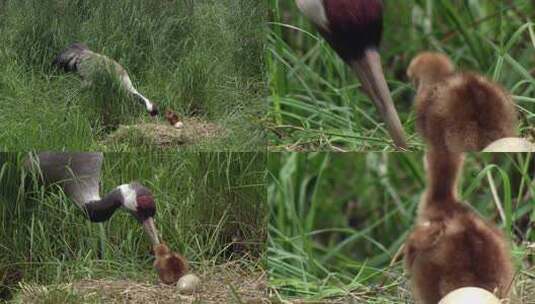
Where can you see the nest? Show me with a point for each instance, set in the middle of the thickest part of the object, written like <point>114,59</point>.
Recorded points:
<point>227,283</point>
<point>163,135</point>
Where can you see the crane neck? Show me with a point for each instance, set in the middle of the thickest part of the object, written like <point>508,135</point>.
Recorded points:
<point>101,210</point>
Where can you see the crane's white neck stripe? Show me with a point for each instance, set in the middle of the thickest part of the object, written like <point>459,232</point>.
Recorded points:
<point>130,88</point>
<point>129,197</point>
<point>92,198</point>
<point>315,11</point>
<point>148,104</point>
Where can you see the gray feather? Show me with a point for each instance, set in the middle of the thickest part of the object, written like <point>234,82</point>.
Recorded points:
<point>78,174</point>
<point>69,59</point>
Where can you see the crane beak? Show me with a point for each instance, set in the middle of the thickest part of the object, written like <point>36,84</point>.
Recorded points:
<point>152,232</point>
<point>370,73</point>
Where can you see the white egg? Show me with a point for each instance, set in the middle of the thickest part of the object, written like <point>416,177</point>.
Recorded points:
<point>470,295</point>
<point>188,284</point>
<point>179,125</point>
<point>511,144</point>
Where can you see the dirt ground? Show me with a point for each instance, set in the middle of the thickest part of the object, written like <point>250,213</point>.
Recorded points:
<point>227,283</point>
<point>164,135</point>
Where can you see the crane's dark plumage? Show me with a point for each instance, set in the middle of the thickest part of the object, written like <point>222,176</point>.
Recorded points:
<point>101,210</point>
<point>80,59</point>
<point>354,26</point>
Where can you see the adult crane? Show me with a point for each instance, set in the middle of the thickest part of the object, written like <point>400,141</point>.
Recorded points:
<point>80,59</point>
<point>79,175</point>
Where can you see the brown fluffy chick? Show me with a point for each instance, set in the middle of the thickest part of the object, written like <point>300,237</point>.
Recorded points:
<point>459,111</point>
<point>173,119</point>
<point>451,246</point>
<point>170,266</point>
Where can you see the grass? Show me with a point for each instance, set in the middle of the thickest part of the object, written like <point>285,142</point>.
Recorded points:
<point>210,207</point>
<point>199,58</point>
<point>314,101</point>
<point>338,220</point>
